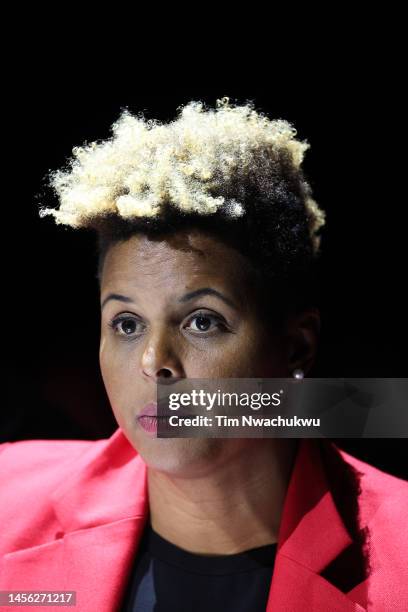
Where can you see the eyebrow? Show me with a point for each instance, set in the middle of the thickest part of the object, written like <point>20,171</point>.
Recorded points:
<point>118,297</point>
<point>188,296</point>
<point>207,291</point>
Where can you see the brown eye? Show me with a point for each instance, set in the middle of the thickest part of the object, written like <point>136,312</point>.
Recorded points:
<point>203,322</point>
<point>126,326</point>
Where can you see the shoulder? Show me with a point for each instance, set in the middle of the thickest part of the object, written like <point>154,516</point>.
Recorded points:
<point>41,465</point>
<point>375,480</point>
<point>30,471</point>
<point>366,495</point>
<point>33,458</point>
<point>383,508</point>
<point>40,448</point>
<point>382,494</point>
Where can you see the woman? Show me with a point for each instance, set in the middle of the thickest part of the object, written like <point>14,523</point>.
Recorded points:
<point>208,237</point>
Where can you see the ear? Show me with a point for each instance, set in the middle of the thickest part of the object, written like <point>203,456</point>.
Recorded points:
<point>303,331</point>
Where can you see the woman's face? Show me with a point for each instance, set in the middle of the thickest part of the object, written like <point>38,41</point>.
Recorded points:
<point>174,313</point>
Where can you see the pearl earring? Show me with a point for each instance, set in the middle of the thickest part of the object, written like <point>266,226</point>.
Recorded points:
<point>298,374</point>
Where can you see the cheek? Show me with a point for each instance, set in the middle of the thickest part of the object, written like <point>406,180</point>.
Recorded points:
<point>120,377</point>
<point>257,355</point>
<point>248,354</point>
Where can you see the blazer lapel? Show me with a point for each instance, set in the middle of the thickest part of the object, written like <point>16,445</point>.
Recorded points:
<point>312,534</point>
<point>101,509</point>
<point>94,562</point>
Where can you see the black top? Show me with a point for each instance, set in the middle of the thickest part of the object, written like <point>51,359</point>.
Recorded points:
<point>166,578</point>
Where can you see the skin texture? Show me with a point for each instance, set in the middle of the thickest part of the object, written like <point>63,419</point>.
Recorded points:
<point>204,494</point>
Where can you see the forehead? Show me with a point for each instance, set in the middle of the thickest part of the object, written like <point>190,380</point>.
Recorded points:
<point>182,260</point>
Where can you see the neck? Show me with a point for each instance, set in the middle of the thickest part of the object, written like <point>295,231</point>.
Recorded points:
<point>235,508</point>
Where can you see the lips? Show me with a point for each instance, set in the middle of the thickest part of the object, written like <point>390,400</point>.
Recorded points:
<point>149,410</point>
<point>148,418</point>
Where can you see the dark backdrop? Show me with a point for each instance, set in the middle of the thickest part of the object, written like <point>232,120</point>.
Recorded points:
<point>52,306</point>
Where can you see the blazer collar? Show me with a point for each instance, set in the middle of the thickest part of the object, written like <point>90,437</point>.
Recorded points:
<point>109,484</point>
<point>311,531</point>
<point>312,535</point>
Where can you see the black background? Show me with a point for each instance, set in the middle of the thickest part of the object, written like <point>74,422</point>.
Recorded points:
<point>52,303</point>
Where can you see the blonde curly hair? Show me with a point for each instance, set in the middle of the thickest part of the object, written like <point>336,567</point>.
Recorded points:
<point>205,162</point>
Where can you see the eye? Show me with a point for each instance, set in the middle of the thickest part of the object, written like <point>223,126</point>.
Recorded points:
<point>126,326</point>
<point>203,322</point>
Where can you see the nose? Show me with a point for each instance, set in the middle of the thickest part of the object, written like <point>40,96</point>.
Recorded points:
<point>159,361</point>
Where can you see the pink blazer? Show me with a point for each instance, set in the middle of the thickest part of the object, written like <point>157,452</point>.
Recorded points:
<point>72,515</point>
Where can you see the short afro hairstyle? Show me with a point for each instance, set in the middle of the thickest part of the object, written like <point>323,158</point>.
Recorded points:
<point>230,171</point>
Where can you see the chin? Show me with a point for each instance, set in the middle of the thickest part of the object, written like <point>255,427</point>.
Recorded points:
<point>183,457</point>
